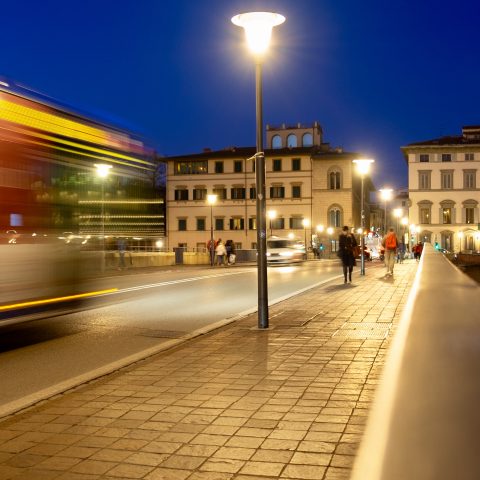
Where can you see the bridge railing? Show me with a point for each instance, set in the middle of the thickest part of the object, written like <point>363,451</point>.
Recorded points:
<point>425,422</point>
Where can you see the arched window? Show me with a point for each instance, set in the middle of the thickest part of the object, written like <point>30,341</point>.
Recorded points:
<point>307,140</point>
<point>335,216</point>
<point>334,180</point>
<point>276,141</point>
<point>291,141</point>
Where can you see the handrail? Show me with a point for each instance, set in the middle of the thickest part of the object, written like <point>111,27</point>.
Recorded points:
<point>425,420</point>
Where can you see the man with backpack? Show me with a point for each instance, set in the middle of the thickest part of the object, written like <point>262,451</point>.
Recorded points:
<point>390,243</point>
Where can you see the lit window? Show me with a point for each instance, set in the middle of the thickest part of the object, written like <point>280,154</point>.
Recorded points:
<point>469,215</point>
<point>447,215</point>
<point>237,223</point>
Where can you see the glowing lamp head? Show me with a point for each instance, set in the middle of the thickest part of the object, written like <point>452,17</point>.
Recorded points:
<point>330,230</point>
<point>320,228</point>
<point>386,193</point>
<point>103,169</point>
<point>306,222</point>
<point>363,165</point>
<point>272,214</point>
<point>211,199</point>
<point>258,28</point>
<point>397,212</point>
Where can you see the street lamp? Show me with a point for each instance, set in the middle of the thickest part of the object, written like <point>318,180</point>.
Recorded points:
<point>103,170</point>
<point>404,222</point>
<point>397,213</point>
<point>330,233</point>
<point>272,215</point>
<point>363,167</point>
<point>386,195</point>
<point>211,200</point>
<point>306,224</point>
<point>258,30</point>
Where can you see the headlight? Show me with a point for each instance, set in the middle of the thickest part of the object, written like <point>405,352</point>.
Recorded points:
<point>286,254</point>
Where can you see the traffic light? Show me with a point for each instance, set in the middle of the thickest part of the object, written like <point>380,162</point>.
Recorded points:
<point>437,246</point>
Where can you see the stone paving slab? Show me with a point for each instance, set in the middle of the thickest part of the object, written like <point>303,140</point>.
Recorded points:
<point>290,402</point>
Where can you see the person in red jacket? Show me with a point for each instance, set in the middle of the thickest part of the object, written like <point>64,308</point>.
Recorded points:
<point>390,243</point>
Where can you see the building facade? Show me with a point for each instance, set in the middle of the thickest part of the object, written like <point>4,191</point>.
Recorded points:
<point>308,185</point>
<point>444,190</point>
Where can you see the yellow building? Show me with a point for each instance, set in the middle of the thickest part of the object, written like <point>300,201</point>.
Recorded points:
<point>308,185</point>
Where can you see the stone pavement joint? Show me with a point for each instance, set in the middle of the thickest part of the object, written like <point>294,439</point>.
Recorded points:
<point>290,402</point>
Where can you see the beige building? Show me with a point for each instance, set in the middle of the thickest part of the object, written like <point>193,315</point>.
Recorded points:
<point>308,184</point>
<point>444,189</point>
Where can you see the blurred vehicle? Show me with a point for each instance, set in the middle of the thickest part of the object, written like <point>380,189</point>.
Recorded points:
<point>52,199</point>
<point>367,255</point>
<point>284,250</point>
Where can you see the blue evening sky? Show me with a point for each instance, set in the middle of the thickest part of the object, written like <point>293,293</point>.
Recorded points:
<point>376,74</point>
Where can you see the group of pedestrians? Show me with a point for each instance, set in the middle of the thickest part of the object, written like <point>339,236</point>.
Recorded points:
<point>224,252</point>
<point>393,251</point>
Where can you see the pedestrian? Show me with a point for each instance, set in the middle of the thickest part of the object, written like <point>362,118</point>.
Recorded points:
<point>122,248</point>
<point>221,251</point>
<point>417,252</point>
<point>347,244</point>
<point>401,252</point>
<point>230,248</point>
<point>390,243</point>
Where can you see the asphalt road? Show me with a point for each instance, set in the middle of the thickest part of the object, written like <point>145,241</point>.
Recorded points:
<point>148,312</point>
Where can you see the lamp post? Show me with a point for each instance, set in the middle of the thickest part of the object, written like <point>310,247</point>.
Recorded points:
<point>397,213</point>
<point>404,222</point>
<point>363,167</point>
<point>319,229</point>
<point>306,224</point>
<point>386,194</point>
<point>272,215</point>
<point>330,233</point>
<point>103,170</point>
<point>258,30</point>
<point>211,199</point>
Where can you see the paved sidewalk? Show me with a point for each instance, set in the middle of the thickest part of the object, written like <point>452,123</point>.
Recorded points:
<point>239,403</point>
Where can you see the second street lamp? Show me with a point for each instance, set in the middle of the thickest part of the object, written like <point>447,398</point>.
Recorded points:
<point>211,199</point>
<point>363,167</point>
<point>272,215</point>
<point>258,30</point>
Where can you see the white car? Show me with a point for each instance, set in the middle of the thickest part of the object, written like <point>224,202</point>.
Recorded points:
<point>284,250</point>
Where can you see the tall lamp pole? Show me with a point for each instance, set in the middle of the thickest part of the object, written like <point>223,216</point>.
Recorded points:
<point>386,194</point>
<point>330,233</point>
<point>397,213</point>
<point>363,167</point>
<point>211,199</point>
<point>258,29</point>
<point>272,215</point>
<point>103,170</point>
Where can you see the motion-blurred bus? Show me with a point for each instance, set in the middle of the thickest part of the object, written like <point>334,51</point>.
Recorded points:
<point>54,205</point>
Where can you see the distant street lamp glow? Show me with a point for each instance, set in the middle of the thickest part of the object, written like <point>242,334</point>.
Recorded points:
<point>211,200</point>
<point>272,215</point>
<point>258,31</point>
<point>320,228</point>
<point>363,167</point>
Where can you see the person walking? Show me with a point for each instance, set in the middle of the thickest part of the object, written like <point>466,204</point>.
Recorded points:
<point>390,243</point>
<point>347,244</point>
<point>401,252</point>
<point>221,251</point>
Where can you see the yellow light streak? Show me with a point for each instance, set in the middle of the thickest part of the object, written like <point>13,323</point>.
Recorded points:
<point>56,299</point>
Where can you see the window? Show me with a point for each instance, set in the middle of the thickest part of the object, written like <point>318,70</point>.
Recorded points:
<point>296,223</point>
<point>277,191</point>
<point>424,157</point>
<point>253,193</point>
<point>277,165</point>
<point>307,140</point>
<point>219,167</point>
<point>469,215</point>
<point>199,193</point>
<point>469,179</point>
<point>446,178</point>
<point>200,223</point>
<point>181,194</point>
<point>291,141</point>
<point>252,223</point>
<point>424,179</point>
<point>424,212</point>
<point>219,224</point>
<point>237,193</point>
<point>237,223</point>
<point>296,191</point>
<point>221,193</point>
<point>276,141</point>
<point>278,223</point>
<point>190,168</point>
<point>335,217</point>
<point>238,166</point>
<point>469,157</point>
<point>182,224</point>
<point>334,180</point>
<point>446,215</point>
<point>296,164</point>
<point>446,157</point>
